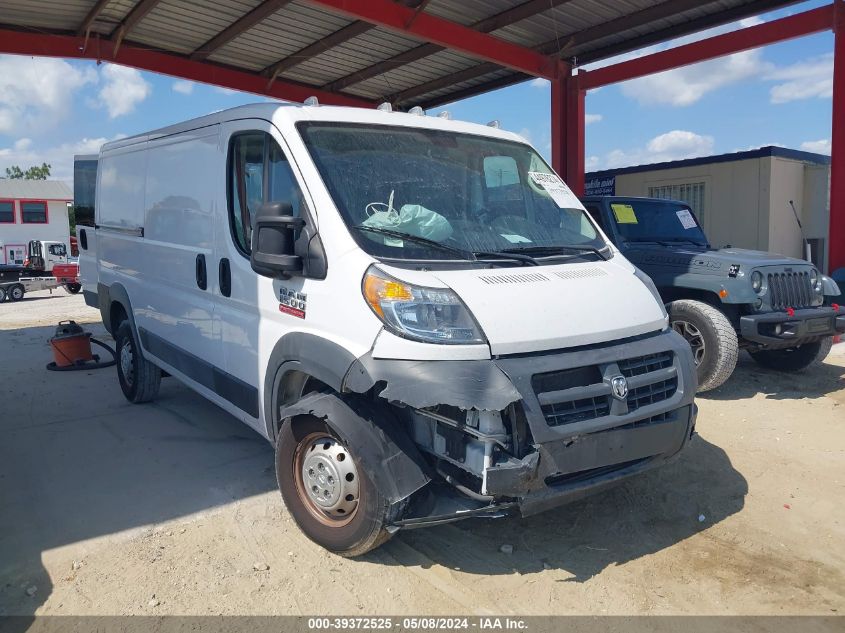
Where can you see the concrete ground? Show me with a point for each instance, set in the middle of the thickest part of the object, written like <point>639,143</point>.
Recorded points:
<point>171,508</point>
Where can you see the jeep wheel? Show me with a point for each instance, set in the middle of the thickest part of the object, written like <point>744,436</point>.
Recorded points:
<point>712,338</point>
<point>2,295</point>
<point>139,378</point>
<point>794,358</point>
<point>328,490</point>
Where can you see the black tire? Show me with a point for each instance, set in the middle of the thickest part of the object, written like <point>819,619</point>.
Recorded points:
<point>3,295</point>
<point>73,288</point>
<point>703,325</point>
<point>794,358</point>
<point>16,292</point>
<point>349,537</point>
<point>139,379</point>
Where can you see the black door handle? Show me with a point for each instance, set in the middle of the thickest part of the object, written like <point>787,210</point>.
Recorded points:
<point>225,277</point>
<point>202,276</point>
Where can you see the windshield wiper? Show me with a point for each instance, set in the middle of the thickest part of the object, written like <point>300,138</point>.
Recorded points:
<point>517,257</point>
<point>686,239</point>
<point>416,239</point>
<point>557,248</point>
<point>649,240</point>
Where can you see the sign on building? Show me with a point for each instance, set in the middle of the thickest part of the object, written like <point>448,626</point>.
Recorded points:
<point>600,186</point>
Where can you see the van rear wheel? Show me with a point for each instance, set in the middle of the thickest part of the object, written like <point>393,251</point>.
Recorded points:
<point>327,489</point>
<point>711,336</point>
<point>139,378</point>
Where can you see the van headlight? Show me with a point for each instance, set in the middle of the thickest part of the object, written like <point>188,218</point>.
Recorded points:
<point>757,281</point>
<point>431,315</point>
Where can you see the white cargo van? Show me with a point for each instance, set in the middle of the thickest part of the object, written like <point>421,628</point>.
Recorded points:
<point>415,311</point>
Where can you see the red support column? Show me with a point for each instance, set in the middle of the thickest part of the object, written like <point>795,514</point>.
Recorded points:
<point>836,235</point>
<point>568,129</point>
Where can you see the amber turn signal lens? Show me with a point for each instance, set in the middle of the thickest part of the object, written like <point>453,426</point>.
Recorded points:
<point>377,290</point>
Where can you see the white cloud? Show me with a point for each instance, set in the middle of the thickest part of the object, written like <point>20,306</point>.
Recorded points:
<point>123,89</point>
<point>183,87</point>
<point>539,82</point>
<point>674,145</point>
<point>819,147</point>
<point>592,118</point>
<point>60,157</point>
<point>685,86</point>
<point>35,92</point>
<point>808,79</point>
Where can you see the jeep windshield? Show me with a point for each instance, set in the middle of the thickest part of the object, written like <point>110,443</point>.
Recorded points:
<point>656,221</point>
<point>455,196</point>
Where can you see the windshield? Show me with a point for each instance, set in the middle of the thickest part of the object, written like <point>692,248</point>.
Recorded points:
<point>653,220</point>
<point>453,195</point>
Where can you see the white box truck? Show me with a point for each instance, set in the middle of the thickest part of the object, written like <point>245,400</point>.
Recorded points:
<point>415,311</point>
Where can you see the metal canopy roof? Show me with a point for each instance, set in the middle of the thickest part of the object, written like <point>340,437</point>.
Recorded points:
<point>345,47</point>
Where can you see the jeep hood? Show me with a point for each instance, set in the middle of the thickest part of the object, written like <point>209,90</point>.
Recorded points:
<point>699,260</point>
<point>542,308</point>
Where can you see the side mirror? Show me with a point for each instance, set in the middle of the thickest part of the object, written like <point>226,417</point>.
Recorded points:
<point>273,252</point>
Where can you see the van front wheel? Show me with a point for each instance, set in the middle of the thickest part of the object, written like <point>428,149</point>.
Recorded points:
<point>327,489</point>
<point>139,378</point>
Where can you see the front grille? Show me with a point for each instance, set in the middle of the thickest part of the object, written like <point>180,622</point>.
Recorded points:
<point>644,364</point>
<point>651,394</point>
<point>584,393</point>
<point>790,290</point>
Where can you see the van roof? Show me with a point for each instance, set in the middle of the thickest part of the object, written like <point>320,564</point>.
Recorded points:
<point>294,112</point>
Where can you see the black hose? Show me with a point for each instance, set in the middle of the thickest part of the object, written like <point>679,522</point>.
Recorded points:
<point>84,364</point>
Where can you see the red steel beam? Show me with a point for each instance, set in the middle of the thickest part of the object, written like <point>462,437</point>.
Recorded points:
<point>451,35</point>
<point>836,232</point>
<point>787,28</point>
<point>48,45</point>
<point>568,124</point>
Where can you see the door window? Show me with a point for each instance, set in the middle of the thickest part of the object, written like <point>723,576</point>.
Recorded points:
<point>259,173</point>
<point>595,213</point>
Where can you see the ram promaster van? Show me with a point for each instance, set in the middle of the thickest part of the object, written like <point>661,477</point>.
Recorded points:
<point>416,312</point>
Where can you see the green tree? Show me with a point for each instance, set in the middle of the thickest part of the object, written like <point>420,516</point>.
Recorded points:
<point>33,173</point>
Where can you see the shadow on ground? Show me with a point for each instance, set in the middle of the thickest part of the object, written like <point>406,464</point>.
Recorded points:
<point>79,462</point>
<point>750,379</point>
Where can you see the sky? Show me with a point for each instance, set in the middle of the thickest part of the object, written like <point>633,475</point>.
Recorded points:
<point>51,109</point>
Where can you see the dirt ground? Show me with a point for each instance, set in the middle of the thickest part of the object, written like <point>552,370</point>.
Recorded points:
<point>169,508</point>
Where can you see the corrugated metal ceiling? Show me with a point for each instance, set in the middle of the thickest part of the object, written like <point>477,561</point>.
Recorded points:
<point>364,63</point>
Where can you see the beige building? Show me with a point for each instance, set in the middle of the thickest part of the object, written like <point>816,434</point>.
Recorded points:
<point>744,199</point>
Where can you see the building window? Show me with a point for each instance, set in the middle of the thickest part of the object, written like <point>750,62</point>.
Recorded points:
<point>34,212</point>
<point>7,212</point>
<point>691,193</point>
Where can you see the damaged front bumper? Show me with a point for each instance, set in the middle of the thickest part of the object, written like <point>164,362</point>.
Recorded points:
<point>596,415</point>
<point>781,329</point>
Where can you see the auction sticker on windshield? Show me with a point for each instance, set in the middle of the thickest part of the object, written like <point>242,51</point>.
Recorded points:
<point>624,214</point>
<point>687,221</point>
<point>557,189</point>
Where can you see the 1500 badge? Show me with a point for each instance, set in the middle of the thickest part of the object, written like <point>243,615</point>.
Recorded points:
<point>292,302</point>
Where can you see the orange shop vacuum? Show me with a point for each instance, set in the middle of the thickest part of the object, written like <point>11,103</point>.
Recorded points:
<point>72,349</point>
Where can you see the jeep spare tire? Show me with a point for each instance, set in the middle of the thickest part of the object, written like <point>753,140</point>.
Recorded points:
<point>794,358</point>
<point>712,338</point>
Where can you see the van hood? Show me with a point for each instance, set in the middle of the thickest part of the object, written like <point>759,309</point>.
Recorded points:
<point>543,308</point>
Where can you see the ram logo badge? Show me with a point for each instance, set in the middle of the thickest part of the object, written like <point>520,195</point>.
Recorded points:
<point>619,386</point>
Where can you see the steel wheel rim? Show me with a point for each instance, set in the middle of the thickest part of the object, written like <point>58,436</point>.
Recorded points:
<point>17,293</point>
<point>327,480</point>
<point>126,365</point>
<point>693,336</point>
